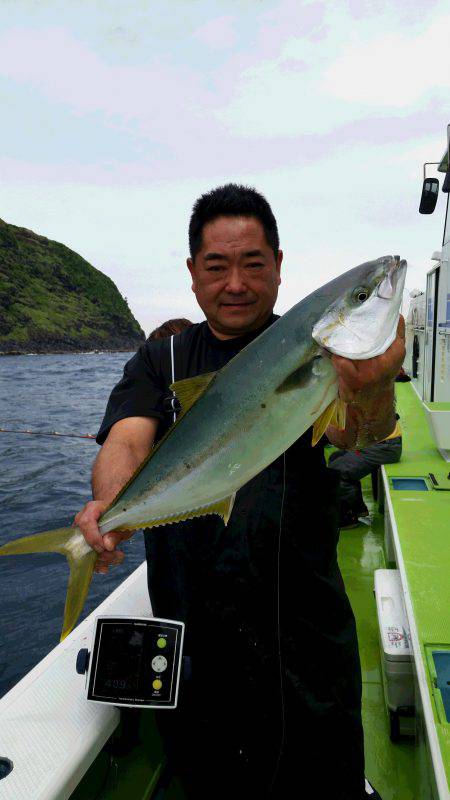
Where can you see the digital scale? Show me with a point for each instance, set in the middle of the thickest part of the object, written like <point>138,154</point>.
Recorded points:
<point>135,661</point>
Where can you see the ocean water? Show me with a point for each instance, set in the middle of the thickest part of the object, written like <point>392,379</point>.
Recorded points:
<point>44,481</point>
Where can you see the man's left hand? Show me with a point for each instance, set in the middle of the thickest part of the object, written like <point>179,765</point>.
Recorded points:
<point>360,382</point>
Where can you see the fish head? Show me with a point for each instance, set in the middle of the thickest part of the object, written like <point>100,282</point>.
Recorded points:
<point>362,321</point>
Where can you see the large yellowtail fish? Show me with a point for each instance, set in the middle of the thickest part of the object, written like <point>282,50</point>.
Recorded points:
<point>238,420</point>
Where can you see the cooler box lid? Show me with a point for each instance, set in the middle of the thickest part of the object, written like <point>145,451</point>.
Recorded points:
<point>392,621</point>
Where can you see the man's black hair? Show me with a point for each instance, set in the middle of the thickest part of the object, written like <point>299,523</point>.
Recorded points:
<point>231,200</point>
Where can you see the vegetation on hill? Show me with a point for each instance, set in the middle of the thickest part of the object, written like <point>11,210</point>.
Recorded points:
<point>52,300</point>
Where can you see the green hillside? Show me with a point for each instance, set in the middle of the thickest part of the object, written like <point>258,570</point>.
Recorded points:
<point>52,300</point>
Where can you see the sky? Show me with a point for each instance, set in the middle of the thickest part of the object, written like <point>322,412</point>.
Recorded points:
<point>117,116</point>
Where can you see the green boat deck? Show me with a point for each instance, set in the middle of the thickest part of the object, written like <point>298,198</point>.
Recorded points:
<point>423,529</point>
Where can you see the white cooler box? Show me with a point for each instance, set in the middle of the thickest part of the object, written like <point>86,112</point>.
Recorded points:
<point>396,656</point>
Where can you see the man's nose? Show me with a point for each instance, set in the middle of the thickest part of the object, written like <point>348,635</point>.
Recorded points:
<point>235,281</point>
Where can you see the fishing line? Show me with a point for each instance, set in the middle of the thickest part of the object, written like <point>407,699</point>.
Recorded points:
<point>279,628</point>
<point>49,433</point>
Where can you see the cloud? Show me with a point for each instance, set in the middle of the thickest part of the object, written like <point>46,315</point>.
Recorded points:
<point>268,100</point>
<point>393,70</point>
<point>218,33</point>
<point>330,70</point>
<point>155,99</point>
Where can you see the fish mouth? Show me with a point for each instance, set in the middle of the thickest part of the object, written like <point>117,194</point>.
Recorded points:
<point>388,286</point>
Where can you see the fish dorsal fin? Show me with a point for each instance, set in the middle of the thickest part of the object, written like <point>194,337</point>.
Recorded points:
<point>190,389</point>
<point>334,414</point>
<point>221,507</point>
<point>187,400</point>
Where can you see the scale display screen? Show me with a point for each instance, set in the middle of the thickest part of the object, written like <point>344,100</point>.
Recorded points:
<point>135,662</point>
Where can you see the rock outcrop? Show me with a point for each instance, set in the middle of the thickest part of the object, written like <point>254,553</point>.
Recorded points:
<point>53,301</point>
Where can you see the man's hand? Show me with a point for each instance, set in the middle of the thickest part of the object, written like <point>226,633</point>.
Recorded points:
<point>360,382</point>
<point>105,546</point>
<point>368,389</point>
<point>126,446</point>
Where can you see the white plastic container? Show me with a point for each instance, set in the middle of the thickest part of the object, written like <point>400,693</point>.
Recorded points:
<point>439,424</point>
<point>395,646</point>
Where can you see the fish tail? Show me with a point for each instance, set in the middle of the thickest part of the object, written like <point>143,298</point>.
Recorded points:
<point>81,559</point>
<point>47,542</point>
<point>81,570</point>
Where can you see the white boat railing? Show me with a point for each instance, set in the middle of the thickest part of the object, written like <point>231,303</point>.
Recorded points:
<point>48,730</point>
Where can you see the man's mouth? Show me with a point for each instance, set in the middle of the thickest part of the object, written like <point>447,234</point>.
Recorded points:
<point>249,303</point>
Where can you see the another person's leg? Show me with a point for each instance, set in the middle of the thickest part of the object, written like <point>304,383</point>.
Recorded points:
<point>354,465</point>
<point>350,467</point>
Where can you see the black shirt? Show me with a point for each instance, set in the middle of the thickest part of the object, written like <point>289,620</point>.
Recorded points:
<point>268,580</point>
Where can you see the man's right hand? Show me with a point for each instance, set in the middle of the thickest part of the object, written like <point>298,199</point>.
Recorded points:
<point>128,443</point>
<point>105,546</point>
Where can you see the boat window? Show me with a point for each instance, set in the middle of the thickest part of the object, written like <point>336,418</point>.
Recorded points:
<point>447,224</point>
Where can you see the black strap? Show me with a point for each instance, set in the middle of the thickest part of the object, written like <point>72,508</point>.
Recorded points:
<point>171,405</point>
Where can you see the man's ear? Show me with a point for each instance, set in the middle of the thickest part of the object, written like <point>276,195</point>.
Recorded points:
<point>278,265</point>
<point>191,268</point>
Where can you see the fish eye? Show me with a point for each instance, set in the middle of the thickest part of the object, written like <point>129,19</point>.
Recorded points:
<point>360,294</point>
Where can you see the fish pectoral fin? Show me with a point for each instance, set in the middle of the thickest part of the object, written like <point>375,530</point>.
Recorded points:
<point>298,379</point>
<point>221,507</point>
<point>81,569</point>
<point>334,414</point>
<point>322,422</point>
<point>190,389</point>
<point>339,418</point>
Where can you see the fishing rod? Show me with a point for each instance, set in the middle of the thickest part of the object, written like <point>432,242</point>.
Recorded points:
<point>49,433</point>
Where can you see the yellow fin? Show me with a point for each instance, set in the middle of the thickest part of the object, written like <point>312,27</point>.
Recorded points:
<point>81,570</point>
<point>187,391</point>
<point>56,541</point>
<point>190,389</point>
<point>66,541</point>
<point>334,414</point>
<point>339,417</point>
<point>221,507</point>
<point>322,422</point>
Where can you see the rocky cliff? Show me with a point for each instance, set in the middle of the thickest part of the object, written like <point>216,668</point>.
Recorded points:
<point>52,300</point>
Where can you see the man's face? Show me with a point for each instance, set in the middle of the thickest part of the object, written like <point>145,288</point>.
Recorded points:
<point>235,275</point>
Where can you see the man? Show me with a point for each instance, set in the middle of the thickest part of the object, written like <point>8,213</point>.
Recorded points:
<point>272,704</point>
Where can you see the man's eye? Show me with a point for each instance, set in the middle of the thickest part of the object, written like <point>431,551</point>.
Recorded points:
<point>214,268</point>
<point>255,264</point>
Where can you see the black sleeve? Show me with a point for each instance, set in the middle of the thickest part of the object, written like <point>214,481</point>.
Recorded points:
<point>140,392</point>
